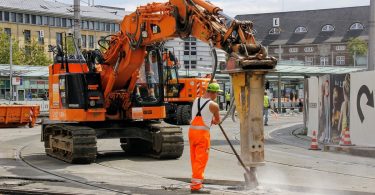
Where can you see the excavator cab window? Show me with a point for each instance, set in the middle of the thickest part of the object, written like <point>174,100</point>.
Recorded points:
<point>148,85</point>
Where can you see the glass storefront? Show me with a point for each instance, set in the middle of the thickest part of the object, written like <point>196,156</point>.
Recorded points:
<point>28,89</point>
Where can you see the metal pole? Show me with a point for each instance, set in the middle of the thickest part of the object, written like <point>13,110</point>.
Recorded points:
<point>279,92</point>
<point>77,24</point>
<point>10,69</point>
<point>279,53</point>
<point>371,59</point>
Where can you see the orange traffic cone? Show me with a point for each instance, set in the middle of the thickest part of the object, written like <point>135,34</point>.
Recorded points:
<point>345,139</point>
<point>314,142</point>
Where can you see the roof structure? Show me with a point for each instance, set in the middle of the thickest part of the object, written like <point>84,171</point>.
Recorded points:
<point>49,7</point>
<point>313,21</point>
<point>24,71</point>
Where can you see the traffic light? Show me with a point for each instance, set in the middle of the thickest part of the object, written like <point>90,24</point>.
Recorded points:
<point>267,85</point>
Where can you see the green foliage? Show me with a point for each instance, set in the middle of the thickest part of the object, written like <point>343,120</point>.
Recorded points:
<point>357,46</point>
<point>17,54</point>
<point>34,54</point>
<point>31,54</point>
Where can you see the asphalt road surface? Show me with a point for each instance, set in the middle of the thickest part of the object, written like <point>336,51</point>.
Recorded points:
<point>289,169</point>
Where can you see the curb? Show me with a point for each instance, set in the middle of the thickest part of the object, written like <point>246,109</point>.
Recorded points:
<point>353,150</point>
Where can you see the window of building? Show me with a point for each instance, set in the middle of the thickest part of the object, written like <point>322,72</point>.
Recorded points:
<point>324,60</point>
<point>186,53</point>
<point>39,20</point>
<point>328,28</point>
<point>1,15</point>
<point>27,34</point>
<point>274,31</point>
<point>59,38</point>
<point>33,19</point>
<point>102,26</point>
<point>85,25</point>
<point>97,27</point>
<point>340,60</point>
<point>27,18</point>
<point>52,21</point>
<point>293,50</point>
<point>19,18</point>
<point>63,22</point>
<point>309,60</point>
<point>107,27</point>
<point>308,49</point>
<point>187,48</point>
<point>193,48</point>
<point>112,27</point>
<point>193,53</point>
<point>300,29</point>
<point>117,27</point>
<point>6,16</point>
<point>40,37</point>
<point>277,50</point>
<point>69,23</point>
<point>45,20</point>
<point>340,47</point>
<point>84,41</point>
<point>91,41</point>
<point>58,22</point>
<point>193,43</point>
<point>356,26</point>
<point>91,25</point>
<point>13,17</point>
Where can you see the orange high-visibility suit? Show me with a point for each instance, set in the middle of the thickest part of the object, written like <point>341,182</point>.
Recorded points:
<point>199,139</point>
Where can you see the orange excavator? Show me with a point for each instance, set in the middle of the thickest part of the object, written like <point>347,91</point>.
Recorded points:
<point>180,91</point>
<point>115,95</point>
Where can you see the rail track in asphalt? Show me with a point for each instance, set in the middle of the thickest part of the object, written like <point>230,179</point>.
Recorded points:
<point>293,132</point>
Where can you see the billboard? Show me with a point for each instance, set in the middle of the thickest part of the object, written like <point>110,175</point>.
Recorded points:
<point>324,133</point>
<point>339,106</point>
<point>362,109</point>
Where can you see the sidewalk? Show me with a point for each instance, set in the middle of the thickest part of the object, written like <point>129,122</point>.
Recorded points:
<point>354,150</point>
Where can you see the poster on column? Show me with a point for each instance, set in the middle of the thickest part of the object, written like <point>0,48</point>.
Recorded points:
<point>312,103</point>
<point>324,133</point>
<point>362,115</point>
<point>339,106</point>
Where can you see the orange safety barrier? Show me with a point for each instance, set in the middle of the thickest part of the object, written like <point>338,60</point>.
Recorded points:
<point>18,115</point>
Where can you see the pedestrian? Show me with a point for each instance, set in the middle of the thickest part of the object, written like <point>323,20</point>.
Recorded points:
<point>205,112</point>
<point>266,106</point>
<point>227,100</point>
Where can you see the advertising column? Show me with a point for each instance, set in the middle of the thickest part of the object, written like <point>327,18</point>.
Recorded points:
<point>312,106</point>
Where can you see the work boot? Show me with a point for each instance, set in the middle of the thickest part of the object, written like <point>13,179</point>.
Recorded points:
<point>200,191</point>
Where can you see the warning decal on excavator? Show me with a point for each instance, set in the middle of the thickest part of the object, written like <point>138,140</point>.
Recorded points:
<point>137,113</point>
<point>55,95</point>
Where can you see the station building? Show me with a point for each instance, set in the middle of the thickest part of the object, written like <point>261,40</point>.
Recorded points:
<point>312,38</point>
<point>46,21</point>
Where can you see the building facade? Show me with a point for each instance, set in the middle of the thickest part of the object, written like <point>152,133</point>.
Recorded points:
<point>47,21</point>
<point>313,37</point>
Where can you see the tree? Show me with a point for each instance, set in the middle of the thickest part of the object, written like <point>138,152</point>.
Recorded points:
<point>17,55</point>
<point>34,54</point>
<point>357,47</point>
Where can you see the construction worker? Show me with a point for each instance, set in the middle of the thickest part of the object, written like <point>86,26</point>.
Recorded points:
<point>205,112</point>
<point>227,100</point>
<point>266,106</point>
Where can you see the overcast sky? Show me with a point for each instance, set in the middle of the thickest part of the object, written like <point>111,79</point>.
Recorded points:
<point>236,7</point>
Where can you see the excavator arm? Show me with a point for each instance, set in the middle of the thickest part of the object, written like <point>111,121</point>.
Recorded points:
<point>157,22</point>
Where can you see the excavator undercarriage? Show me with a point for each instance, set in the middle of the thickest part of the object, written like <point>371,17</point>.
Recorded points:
<point>77,143</point>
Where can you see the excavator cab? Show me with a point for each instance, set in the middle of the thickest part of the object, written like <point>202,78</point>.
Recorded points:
<point>149,85</point>
<point>172,85</point>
